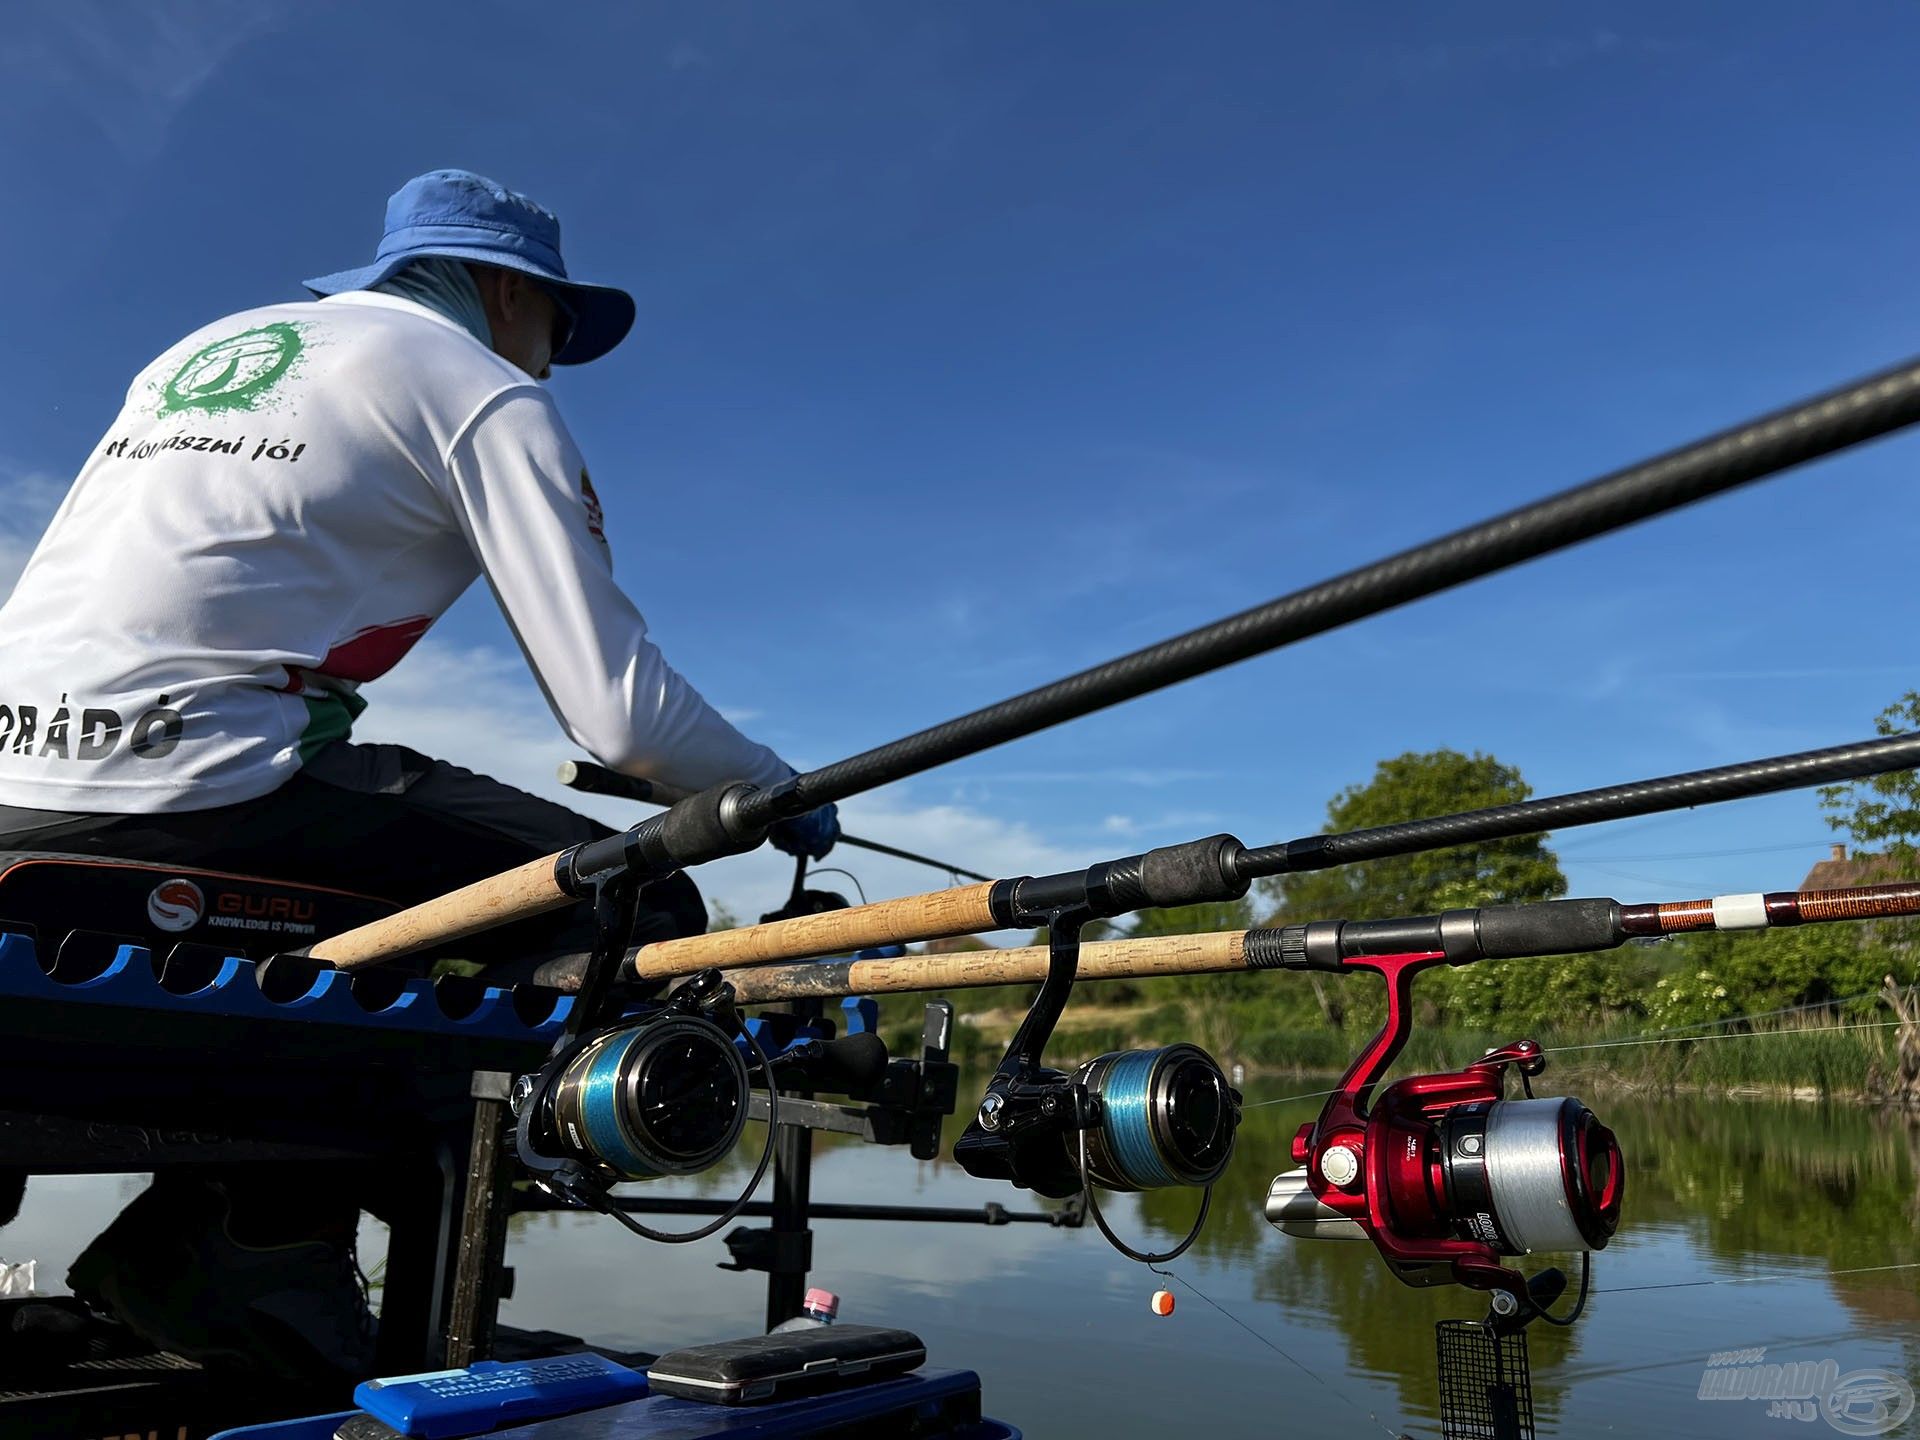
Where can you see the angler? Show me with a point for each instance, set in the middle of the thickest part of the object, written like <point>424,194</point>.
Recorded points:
<point>227,603</point>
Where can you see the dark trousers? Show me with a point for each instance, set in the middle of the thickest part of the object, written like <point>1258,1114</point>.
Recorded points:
<point>385,821</point>
<point>380,820</point>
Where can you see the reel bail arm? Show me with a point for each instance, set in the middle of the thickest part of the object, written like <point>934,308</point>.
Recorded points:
<point>1015,1133</point>
<point>1020,1133</point>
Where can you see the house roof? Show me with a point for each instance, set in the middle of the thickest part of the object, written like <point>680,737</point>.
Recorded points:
<point>1839,870</point>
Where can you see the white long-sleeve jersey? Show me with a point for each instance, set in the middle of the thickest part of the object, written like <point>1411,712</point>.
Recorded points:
<point>288,499</point>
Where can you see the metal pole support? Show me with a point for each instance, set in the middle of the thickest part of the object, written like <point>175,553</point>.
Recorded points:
<point>483,1223</point>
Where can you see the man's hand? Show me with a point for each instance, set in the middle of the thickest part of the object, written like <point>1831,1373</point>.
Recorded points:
<point>811,835</point>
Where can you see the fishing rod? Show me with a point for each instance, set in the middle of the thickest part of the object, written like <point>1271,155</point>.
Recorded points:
<point>1547,927</point>
<point>1142,1119</point>
<point>1447,1177</point>
<point>1219,867</point>
<point>626,1097</point>
<point>584,775</point>
<point>1138,1119</point>
<point>1443,1174</point>
<point>732,819</point>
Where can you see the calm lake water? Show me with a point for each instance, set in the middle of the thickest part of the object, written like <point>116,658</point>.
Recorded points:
<point>1741,1217</point>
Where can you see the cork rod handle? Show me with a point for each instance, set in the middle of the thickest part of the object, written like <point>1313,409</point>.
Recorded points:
<point>1101,960</point>
<point>529,889</point>
<point>937,915</point>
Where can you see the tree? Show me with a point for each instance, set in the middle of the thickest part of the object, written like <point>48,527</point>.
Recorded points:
<point>1500,872</point>
<point>1410,787</point>
<point>1882,810</point>
<point>1718,976</point>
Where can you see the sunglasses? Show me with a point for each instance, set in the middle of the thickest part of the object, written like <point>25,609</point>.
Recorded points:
<point>565,321</point>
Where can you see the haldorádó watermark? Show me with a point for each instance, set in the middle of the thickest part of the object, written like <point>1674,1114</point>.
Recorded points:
<point>1858,1402</point>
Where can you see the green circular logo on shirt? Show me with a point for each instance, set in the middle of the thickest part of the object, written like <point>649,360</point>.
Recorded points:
<point>232,374</point>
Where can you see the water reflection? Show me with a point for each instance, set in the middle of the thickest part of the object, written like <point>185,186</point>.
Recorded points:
<point>1058,1325</point>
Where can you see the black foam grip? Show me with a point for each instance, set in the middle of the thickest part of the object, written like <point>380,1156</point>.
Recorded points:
<point>1555,927</point>
<point>591,779</point>
<point>1199,870</point>
<point>1036,895</point>
<point>694,832</point>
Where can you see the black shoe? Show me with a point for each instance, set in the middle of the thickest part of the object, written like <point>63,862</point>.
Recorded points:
<point>170,1270</point>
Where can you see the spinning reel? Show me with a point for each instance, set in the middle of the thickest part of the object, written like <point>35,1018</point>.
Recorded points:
<point>1127,1120</point>
<point>664,1095</point>
<point>1444,1174</point>
<point>639,1097</point>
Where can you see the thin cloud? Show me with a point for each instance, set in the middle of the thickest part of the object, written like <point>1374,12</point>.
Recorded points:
<point>476,706</point>
<point>1832,672</point>
<point>1096,776</point>
<point>27,503</point>
<point>128,69</point>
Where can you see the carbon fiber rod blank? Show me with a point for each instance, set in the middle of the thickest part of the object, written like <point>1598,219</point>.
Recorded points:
<point>1849,415</point>
<point>693,832</point>
<point>945,913</point>
<point>595,779</point>
<point>1551,927</point>
<point>1587,807</point>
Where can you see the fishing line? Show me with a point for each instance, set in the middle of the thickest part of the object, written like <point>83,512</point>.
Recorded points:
<point>836,870</point>
<point>1572,1377</point>
<point>1702,854</point>
<point>1748,1035</point>
<point>1623,827</point>
<point>1671,1037</point>
<point>1754,1015</point>
<point>1586,1289</point>
<point>1092,1203</point>
<point>1657,882</point>
<point>1318,1378</point>
<point>1611,1044</point>
<point>1754,1279</point>
<point>1289,1099</point>
<point>605,1206</point>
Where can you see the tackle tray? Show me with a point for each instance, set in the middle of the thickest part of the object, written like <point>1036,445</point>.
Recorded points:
<point>765,1367</point>
<point>925,1405</point>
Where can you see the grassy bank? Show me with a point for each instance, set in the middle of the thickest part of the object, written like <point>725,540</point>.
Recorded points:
<point>1820,1060</point>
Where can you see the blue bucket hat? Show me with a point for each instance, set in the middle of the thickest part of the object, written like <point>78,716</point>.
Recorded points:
<point>464,216</point>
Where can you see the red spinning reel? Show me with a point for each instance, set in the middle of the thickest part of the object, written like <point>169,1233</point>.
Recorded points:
<point>1443,1173</point>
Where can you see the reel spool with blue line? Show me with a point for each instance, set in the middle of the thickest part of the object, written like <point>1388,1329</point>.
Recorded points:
<point>666,1097</point>
<point>1166,1117</point>
<point>663,1094</point>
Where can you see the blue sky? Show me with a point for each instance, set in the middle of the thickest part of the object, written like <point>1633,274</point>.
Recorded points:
<point>980,343</point>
